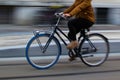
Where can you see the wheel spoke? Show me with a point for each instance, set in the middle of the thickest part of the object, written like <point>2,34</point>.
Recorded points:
<point>47,56</point>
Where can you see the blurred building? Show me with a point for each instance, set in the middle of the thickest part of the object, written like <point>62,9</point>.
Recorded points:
<point>27,12</point>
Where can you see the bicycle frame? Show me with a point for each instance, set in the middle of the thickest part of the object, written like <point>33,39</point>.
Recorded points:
<point>55,31</point>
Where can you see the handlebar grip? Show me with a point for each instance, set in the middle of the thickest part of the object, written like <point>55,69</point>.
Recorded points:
<point>61,15</point>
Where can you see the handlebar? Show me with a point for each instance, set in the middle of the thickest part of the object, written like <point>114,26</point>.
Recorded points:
<point>61,15</point>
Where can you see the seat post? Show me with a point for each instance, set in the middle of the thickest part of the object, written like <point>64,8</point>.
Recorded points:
<point>84,31</point>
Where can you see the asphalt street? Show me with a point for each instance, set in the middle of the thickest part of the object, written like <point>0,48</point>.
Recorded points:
<point>64,69</point>
<point>13,37</point>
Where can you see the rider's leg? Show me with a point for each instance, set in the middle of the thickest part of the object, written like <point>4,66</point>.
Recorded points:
<point>72,35</point>
<point>74,26</point>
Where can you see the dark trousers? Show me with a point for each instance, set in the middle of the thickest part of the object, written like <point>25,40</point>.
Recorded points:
<point>75,25</point>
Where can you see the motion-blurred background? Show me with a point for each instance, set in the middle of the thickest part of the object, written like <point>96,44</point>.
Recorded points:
<point>41,12</point>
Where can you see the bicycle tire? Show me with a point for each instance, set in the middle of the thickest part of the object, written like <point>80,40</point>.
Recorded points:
<point>37,58</point>
<point>99,55</point>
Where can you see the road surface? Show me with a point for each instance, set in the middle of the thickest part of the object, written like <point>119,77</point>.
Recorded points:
<point>13,40</point>
<point>64,70</point>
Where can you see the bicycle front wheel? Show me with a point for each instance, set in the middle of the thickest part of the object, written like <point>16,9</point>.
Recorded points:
<point>94,49</point>
<point>43,52</point>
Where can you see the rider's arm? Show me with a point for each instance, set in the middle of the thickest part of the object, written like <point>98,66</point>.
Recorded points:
<point>70,8</point>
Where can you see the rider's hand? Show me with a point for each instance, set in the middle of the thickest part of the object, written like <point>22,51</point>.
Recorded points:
<point>67,15</point>
<point>61,13</point>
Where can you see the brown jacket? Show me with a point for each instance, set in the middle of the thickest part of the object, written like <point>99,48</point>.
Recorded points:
<point>81,9</point>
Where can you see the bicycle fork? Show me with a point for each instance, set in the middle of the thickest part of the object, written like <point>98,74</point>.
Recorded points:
<point>43,48</point>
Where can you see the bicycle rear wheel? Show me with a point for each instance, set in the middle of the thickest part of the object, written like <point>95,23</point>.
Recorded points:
<point>94,50</point>
<point>42,52</point>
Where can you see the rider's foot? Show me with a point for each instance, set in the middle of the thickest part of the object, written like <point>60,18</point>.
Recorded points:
<point>72,45</point>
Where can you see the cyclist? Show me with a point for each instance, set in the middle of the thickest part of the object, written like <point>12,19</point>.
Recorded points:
<point>84,18</point>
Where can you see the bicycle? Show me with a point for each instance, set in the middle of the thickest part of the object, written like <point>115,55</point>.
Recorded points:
<point>44,49</point>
